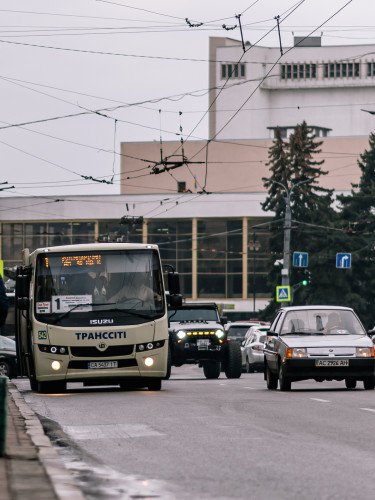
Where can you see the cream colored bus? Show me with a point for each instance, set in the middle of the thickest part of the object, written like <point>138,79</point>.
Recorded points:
<point>93,313</point>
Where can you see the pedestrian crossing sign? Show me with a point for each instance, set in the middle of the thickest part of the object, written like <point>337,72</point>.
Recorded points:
<point>283,294</point>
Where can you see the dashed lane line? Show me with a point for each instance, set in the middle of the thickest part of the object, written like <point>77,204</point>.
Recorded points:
<point>368,409</point>
<point>320,400</point>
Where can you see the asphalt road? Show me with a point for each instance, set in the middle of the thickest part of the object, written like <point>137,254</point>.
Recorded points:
<point>216,439</point>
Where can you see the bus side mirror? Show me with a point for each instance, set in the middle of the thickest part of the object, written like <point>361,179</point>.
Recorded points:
<point>173,284</point>
<point>22,286</point>
<point>23,303</point>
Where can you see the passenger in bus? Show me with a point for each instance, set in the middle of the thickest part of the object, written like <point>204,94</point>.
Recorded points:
<point>133,287</point>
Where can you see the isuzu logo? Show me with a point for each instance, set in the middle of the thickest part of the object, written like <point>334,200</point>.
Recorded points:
<point>102,346</point>
<point>102,321</point>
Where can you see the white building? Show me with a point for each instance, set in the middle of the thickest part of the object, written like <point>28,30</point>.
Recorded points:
<point>327,86</point>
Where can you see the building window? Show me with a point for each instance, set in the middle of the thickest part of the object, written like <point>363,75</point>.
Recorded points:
<point>343,70</point>
<point>370,69</point>
<point>219,253</point>
<point>233,70</point>
<point>181,187</point>
<point>298,71</point>
<point>174,238</point>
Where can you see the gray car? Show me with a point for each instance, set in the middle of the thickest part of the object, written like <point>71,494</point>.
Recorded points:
<point>252,349</point>
<point>320,343</point>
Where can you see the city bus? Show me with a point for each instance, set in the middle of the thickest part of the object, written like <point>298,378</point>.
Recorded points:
<point>93,313</point>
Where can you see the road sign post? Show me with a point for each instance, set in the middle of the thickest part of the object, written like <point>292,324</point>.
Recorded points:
<point>300,259</point>
<point>283,293</point>
<point>343,260</point>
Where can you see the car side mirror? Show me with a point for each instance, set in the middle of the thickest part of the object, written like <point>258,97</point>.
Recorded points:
<point>175,301</point>
<point>224,320</point>
<point>271,334</point>
<point>370,333</point>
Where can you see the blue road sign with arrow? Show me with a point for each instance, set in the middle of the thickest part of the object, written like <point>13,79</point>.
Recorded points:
<point>343,260</point>
<point>300,259</point>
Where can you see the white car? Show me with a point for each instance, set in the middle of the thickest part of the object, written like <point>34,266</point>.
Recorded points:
<point>252,349</point>
<point>237,330</point>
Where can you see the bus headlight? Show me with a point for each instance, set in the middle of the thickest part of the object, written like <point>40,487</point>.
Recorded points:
<point>181,334</point>
<point>56,365</point>
<point>219,334</point>
<point>149,361</point>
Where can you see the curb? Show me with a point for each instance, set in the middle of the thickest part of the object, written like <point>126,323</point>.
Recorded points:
<point>61,479</point>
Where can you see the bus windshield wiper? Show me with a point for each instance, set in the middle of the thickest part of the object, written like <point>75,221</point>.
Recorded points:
<point>132,312</point>
<point>66,313</point>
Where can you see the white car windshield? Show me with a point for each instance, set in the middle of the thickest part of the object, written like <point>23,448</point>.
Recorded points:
<point>321,322</point>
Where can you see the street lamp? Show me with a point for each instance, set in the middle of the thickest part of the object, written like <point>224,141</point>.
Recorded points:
<point>285,271</point>
<point>254,247</point>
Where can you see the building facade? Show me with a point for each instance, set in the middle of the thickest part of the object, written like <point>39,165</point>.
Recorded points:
<point>327,86</point>
<point>205,210</point>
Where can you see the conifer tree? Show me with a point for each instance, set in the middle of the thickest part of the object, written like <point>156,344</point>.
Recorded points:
<point>358,218</point>
<point>292,162</point>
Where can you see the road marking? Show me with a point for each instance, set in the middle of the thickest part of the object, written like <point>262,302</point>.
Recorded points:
<point>110,431</point>
<point>223,384</point>
<point>368,409</point>
<point>320,400</point>
<point>252,388</point>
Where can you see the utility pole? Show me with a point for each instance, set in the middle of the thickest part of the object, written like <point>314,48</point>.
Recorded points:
<point>285,271</point>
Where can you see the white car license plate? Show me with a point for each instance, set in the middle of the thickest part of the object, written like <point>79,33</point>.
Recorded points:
<point>103,364</point>
<point>332,362</point>
<point>203,344</point>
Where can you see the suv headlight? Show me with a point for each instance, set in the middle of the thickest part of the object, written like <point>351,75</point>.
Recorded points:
<point>296,352</point>
<point>219,334</point>
<point>365,352</point>
<point>181,334</point>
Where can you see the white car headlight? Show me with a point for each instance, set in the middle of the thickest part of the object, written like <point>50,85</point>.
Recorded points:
<point>296,352</point>
<point>181,334</point>
<point>219,334</point>
<point>364,352</point>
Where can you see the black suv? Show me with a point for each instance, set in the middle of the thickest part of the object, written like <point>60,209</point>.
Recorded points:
<point>197,336</point>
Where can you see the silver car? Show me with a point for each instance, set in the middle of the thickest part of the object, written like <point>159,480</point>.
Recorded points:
<point>252,349</point>
<point>320,343</point>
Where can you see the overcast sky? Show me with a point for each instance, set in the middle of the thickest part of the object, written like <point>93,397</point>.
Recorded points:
<point>146,38</point>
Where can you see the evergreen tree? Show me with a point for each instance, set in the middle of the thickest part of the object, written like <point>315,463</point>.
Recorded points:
<point>293,162</point>
<point>358,218</point>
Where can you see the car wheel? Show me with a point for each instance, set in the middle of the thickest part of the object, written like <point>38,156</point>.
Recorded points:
<point>272,380</point>
<point>154,384</point>
<point>5,368</point>
<point>285,383</point>
<point>369,383</point>
<point>350,383</point>
<point>233,366</point>
<point>247,365</point>
<point>211,369</point>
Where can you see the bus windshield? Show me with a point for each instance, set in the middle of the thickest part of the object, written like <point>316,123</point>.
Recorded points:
<point>74,285</point>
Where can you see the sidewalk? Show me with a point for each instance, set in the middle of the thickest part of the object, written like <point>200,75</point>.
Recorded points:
<point>31,468</point>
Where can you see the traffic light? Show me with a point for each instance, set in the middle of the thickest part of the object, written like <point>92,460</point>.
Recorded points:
<point>307,278</point>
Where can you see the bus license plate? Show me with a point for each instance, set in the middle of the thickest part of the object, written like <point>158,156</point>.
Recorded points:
<point>332,362</point>
<point>203,344</point>
<point>103,364</point>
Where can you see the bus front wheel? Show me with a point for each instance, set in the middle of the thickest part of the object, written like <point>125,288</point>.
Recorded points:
<point>51,387</point>
<point>154,384</point>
